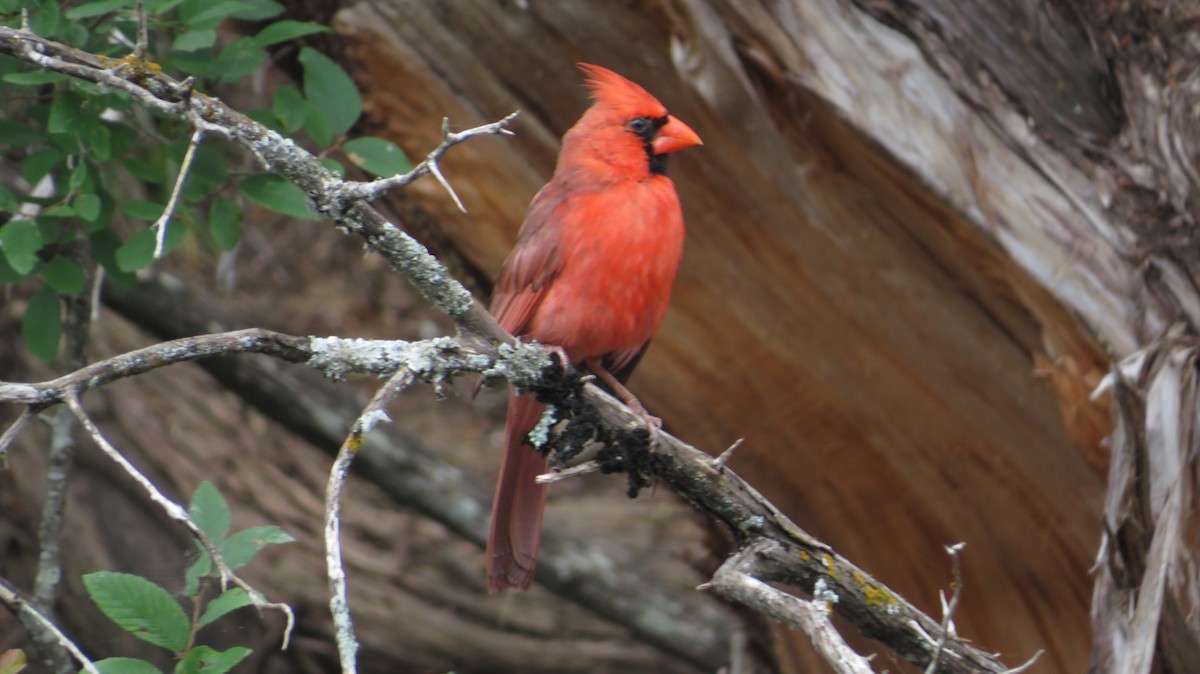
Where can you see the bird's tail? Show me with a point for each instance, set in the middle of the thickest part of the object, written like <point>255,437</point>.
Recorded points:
<point>516,531</point>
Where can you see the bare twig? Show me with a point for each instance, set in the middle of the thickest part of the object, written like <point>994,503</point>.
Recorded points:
<point>177,513</point>
<point>48,648</point>
<point>77,327</point>
<point>948,608</point>
<point>339,605</point>
<point>568,473</point>
<point>30,615</point>
<point>721,460</point>
<point>160,225</point>
<point>15,428</point>
<point>139,49</point>
<point>1028,663</point>
<point>376,188</point>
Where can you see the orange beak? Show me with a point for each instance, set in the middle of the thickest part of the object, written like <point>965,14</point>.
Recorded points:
<point>674,135</point>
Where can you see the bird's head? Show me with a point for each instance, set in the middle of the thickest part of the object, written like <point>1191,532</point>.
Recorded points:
<point>626,128</point>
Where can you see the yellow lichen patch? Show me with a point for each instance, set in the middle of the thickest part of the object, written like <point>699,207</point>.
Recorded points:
<point>133,64</point>
<point>875,595</point>
<point>804,555</point>
<point>830,567</point>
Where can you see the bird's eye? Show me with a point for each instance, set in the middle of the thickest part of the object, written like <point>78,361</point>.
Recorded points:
<point>640,125</point>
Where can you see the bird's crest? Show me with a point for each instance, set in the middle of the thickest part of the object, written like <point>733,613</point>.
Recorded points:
<point>613,91</point>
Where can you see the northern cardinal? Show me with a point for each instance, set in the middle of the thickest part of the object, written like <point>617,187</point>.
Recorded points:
<point>591,274</point>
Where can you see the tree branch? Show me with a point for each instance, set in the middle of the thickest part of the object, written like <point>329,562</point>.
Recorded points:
<point>31,616</point>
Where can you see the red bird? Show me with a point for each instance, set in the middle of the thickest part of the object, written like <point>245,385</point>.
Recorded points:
<point>591,274</point>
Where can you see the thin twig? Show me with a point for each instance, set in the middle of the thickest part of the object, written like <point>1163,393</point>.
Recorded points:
<point>339,605</point>
<point>720,461</point>
<point>437,173</point>
<point>160,225</point>
<point>177,513</point>
<point>568,473</point>
<point>14,429</point>
<point>76,330</point>
<point>1029,663</point>
<point>62,451</point>
<point>139,49</point>
<point>26,609</point>
<point>948,630</point>
<point>371,190</point>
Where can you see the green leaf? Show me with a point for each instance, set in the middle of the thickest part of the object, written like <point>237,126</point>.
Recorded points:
<point>42,325</point>
<point>225,222</point>
<point>138,253</point>
<point>37,165</point>
<point>79,176</point>
<point>199,569</point>
<point>241,547</point>
<point>34,77</point>
<point>8,201</point>
<point>195,39</point>
<point>327,84</point>
<point>20,241</point>
<point>98,139</point>
<point>318,125</point>
<point>105,244</point>
<point>47,20</point>
<point>143,170</point>
<point>208,14</point>
<point>290,107</point>
<point>143,210</point>
<point>274,192</point>
<point>267,118</point>
<point>205,660</point>
<point>124,666</point>
<point>258,10</point>
<point>96,8</point>
<point>210,512</point>
<point>68,113</point>
<point>282,31</point>
<point>101,220</point>
<point>240,59</point>
<point>377,156</point>
<point>209,172</point>
<point>58,211</point>
<point>75,35</point>
<point>8,274</point>
<point>17,134</point>
<point>162,6</point>
<point>231,600</point>
<point>334,165</point>
<point>87,206</point>
<point>64,275</point>
<point>140,607</point>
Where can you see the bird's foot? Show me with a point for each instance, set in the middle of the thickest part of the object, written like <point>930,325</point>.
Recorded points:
<point>653,423</point>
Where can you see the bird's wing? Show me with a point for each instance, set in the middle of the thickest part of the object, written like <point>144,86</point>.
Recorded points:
<point>533,263</point>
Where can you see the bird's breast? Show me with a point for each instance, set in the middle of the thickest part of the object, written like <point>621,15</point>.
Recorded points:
<point>620,252</point>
